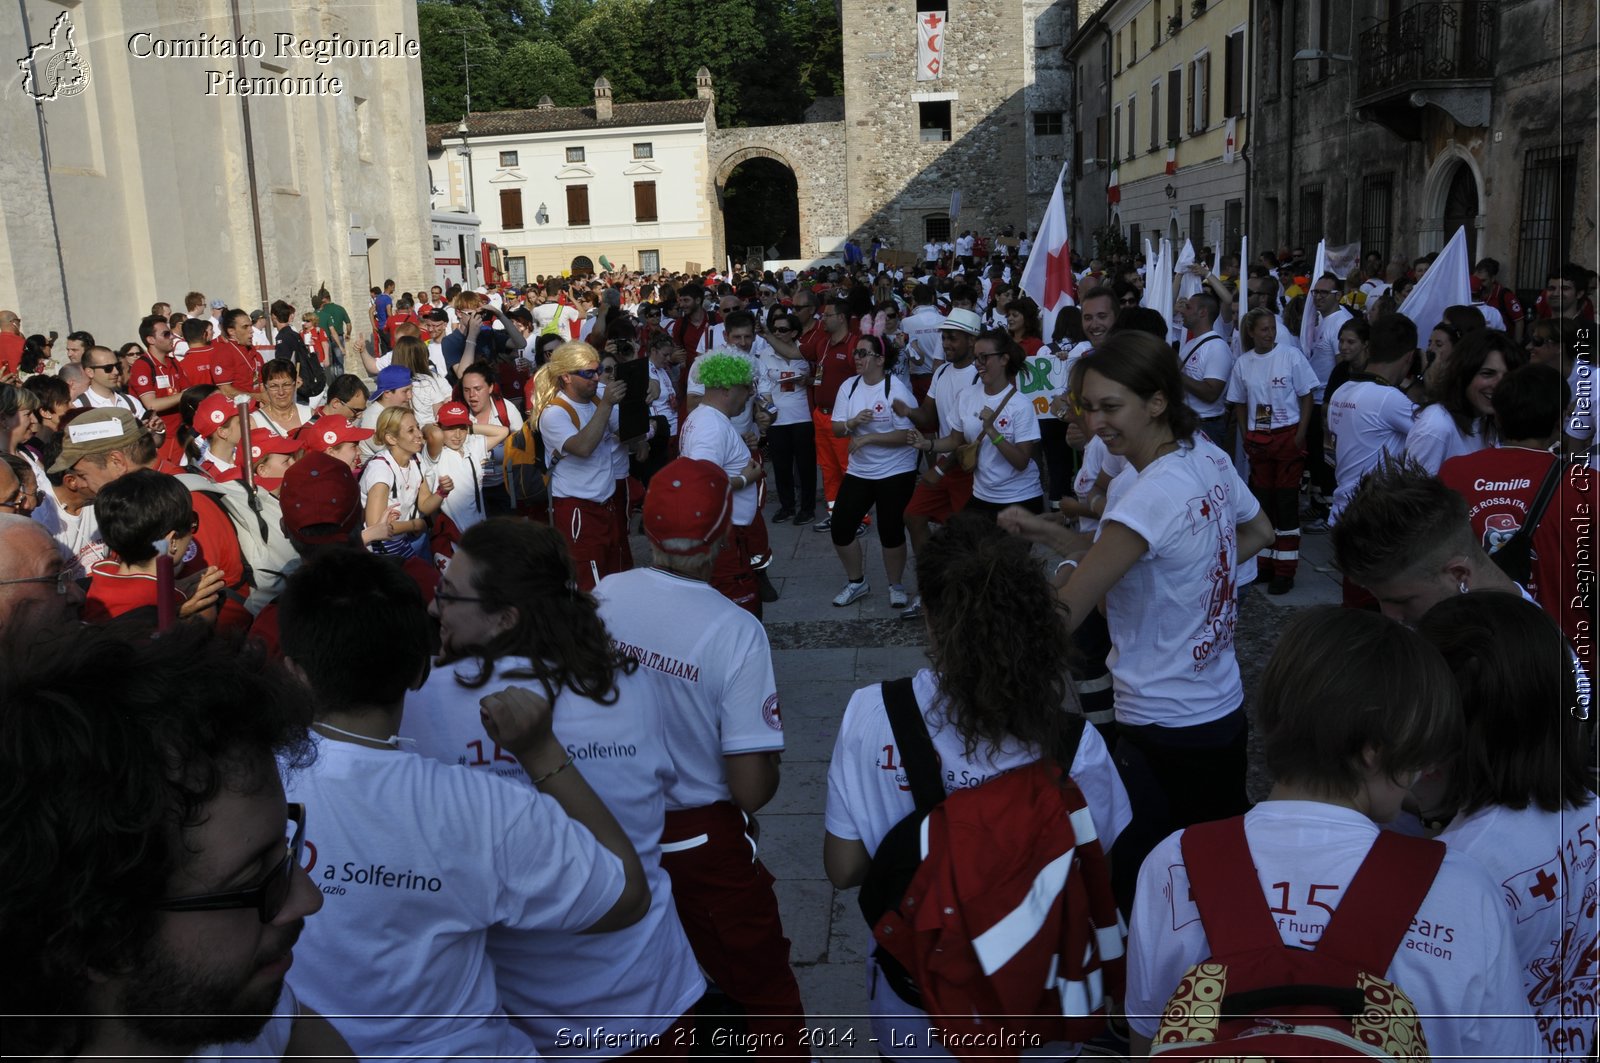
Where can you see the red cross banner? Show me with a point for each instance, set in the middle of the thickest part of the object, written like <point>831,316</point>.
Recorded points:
<point>1047,278</point>
<point>931,29</point>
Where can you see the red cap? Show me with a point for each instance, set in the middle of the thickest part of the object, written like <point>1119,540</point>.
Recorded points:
<point>688,499</point>
<point>263,444</point>
<point>454,415</point>
<point>212,413</point>
<point>330,432</point>
<point>320,491</point>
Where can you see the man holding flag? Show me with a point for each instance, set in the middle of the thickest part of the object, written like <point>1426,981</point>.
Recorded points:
<point>1047,278</point>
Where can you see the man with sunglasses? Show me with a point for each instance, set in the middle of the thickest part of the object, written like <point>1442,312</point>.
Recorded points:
<point>155,378</point>
<point>155,896</point>
<point>105,382</point>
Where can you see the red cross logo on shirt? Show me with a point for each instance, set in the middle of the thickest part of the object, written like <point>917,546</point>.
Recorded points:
<point>1002,423</point>
<point>1545,886</point>
<point>877,408</point>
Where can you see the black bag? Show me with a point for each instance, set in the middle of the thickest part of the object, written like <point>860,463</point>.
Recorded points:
<point>1514,557</point>
<point>313,378</point>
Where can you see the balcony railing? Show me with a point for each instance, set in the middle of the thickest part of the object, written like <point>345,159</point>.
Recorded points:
<point>1444,41</point>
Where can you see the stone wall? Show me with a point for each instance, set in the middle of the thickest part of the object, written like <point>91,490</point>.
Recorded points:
<point>814,151</point>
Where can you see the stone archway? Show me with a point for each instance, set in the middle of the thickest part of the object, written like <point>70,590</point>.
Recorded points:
<point>1447,194</point>
<point>814,153</point>
<point>732,161</point>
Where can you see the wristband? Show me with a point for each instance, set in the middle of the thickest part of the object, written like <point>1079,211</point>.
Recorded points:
<point>741,479</point>
<point>997,438</point>
<point>541,780</point>
<point>1068,563</point>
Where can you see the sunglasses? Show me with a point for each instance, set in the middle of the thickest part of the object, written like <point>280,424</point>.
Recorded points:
<point>587,374</point>
<point>268,896</point>
<point>109,367</point>
<point>783,330</point>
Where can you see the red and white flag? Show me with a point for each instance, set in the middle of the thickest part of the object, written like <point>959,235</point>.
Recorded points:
<point>931,29</point>
<point>1113,191</point>
<point>1172,158</point>
<point>1047,278</point>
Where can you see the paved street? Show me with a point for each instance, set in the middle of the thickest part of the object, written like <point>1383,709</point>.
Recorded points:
<point>822,654</point>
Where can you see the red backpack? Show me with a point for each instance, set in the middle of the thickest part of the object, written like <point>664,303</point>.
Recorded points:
<point>1257,998</point>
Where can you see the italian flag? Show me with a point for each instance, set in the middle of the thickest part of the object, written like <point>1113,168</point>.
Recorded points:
<point>1172,158</point>
<point>1113,193</point>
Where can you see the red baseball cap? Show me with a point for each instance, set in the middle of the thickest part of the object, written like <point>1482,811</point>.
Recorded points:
<point>212,413</point>
<point>320,492</point>
<point>454,415</point>
<point>263,444</point>
<point>330,432</point>
<point>688,499</point>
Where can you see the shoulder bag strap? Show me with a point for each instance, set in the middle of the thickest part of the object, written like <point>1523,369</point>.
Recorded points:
<point>1223,883</point>
<point>1380,902</point>
<point>1541,501</point>
<point>911,738</point>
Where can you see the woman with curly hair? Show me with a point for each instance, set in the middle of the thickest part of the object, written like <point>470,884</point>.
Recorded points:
<point>1460,416</point>
<point>510,615</point>
<point>987,712</point>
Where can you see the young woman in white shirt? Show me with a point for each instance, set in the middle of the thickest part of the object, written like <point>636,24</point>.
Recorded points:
<point>1460,417</point>
<point>1520,796</point>
<point>429,390</point>
<point>791,438</point>
<point>882,470</point>
<point>394,481</point>
<point>1164,559</point>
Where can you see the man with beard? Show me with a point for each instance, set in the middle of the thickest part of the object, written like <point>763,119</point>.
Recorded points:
<point>155,896</point>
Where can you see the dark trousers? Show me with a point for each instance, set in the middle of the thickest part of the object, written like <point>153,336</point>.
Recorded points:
<point>1060,460</point>
<point>793,449</point>
<point>889,495</point>
<point>1316,463</point>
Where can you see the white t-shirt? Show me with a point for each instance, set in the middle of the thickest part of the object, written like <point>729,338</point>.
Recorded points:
<point>427,393</point>
<point>924,350</point>
<point>783,383</point>
<point>646,972</point>
<point>1545,865</point>
<point>948,386</point>
<point>545,313</point>
<point>464,503</point>
<point>709,436</point>
<point>1207,357</point>
<point>876,462</point>
<point>572,476</point>
<point>994,479</point>
<point>666,404</point>
<point>435,360</point>
<point>404,482</point>
<point>1096,460</point>
<point>494,469</point>
<point>90,400</point>
<point>1270,386</point>
<point>1324,351</point>
<point>77,535</point>
<point>1434,438</point>
<point>1172,614</point>
<point>1367,421</point>
<point>744,422</point>
<point>416,861</point>
<point>710,665</point>
<point>259,419</point>
<point>1052,373</point>
<point>1457,963</point>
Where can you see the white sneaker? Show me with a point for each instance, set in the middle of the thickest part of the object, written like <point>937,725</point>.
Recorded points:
<point>897,597</point>
<point>852,592</point>
<point>914,610</point>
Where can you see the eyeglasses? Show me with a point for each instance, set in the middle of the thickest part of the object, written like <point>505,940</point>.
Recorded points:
<point>984,356</point>
<point>587,374</point>
<point>865,352</point>
<point>444,597</point>
<point>60,579</point>
<point>1323,291</point>
<point>782,330</point>
<point>268,896</point>
<point>608,370</point>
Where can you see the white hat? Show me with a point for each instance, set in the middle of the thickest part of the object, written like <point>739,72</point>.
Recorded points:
<point>959,320</point>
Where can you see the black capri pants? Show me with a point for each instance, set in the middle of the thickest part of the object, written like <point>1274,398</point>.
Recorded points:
<point>890,495</point>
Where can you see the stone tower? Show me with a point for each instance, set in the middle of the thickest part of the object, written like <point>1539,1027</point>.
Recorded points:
<point>937,99</point>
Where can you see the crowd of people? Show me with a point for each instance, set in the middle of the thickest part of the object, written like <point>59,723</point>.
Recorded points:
<point>444,705</point>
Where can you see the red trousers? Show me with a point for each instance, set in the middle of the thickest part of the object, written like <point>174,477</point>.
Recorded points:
<point>920,384</point>
<point>621,559</point>
<point>833,454</point>
<point>589,529</point>
<point>731,573</point>
<point>943,500</point>
<point>1275,467</point>
<point>730,914</point>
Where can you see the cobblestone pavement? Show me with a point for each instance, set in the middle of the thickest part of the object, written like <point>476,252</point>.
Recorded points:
<point>822,654</point>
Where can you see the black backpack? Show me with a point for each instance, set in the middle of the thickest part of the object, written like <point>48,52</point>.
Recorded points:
<point>1514,557</point>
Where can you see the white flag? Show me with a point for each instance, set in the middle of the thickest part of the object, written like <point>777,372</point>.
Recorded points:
<point>1447,283</point>
<point>1158,283</point>
<point>1310,317</point>
<point>931,29</point>
<point>1047,278</point>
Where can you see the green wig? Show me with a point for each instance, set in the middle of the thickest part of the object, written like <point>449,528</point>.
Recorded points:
<point>723,371</point>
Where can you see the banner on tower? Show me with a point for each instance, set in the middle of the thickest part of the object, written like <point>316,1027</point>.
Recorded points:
<point>931,29</point>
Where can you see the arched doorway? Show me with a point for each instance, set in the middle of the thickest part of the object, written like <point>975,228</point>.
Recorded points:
<point>760,200</point>
<point>1461,208</point>
<point>582,266</point>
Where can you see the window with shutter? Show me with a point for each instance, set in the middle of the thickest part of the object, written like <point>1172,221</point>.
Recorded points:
<point>1233,76</point>
<point>644,201</point>
<point>577,205</point>
<point>1174,103</point>
<point>1155,116</point>
<point>1133,107</point>
<point>511,208</point>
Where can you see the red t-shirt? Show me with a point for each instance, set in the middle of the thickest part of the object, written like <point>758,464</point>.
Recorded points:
<point>112,593</point>
<point>399,319</point>
<point>838,362</point>
<point>264,629</point>
<point>1499,485</point>
<point>219,546</point>
<point>11,346</point>
<point>223,362</point>
<point>158,377</point>
<point>692,338</point>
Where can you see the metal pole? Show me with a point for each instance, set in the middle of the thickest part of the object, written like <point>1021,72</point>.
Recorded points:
<point>44,155</point>
<point>250,169</point>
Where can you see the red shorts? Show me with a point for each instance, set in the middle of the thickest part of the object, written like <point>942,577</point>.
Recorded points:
<point>589,529</point>
<point>943,500</point>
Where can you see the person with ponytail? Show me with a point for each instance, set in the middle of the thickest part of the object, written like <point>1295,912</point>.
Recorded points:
<point>574,418</point>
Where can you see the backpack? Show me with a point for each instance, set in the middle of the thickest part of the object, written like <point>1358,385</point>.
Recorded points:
<point>950,883</point>
<point>268,554</point>
<point>313,377</point>
<point>527,471</point>
<point>1257,997</point>
<point>1514,557</point>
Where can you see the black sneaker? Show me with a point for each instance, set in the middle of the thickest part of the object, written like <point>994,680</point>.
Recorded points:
<point>1280,585</point>
<point>782,516</point>
<point>862,529</point>
<point>825,524</point>
<point>804,517</point>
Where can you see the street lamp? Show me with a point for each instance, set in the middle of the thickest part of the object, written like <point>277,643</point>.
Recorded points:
<point>466,151</point>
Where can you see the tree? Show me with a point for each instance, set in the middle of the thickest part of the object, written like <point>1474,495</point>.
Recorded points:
<point>615,42</point>
<point>531,69</point>
<point>442,28</point>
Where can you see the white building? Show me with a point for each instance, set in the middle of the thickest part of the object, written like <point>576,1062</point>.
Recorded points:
<point>140,170</point>
<point>558,188</point>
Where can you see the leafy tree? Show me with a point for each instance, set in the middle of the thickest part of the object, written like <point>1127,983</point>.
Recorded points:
<point>531,69</point>
<point>616,42</point>
<point>442,28</point>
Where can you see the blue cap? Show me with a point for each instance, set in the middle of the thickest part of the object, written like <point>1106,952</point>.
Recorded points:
<point>391,378</point>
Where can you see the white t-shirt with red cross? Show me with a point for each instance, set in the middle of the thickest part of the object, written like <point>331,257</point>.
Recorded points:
<point>1207,357</point>
<point>855,396</point>
<point>1457,963</point>
<point>571,476</point>
<point>708,435</point>
<point>710,665</point>
<point>995,479</point>
<point>1367,422</point>
<point>641,977</point>
<point>949,384</point>
<point>1270,385</point>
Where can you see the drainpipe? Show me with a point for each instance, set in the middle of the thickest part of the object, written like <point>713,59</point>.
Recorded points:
<point>250,167</point>
<point>44,155</point>
<point>1250,143</point>
<point>1288,148</point>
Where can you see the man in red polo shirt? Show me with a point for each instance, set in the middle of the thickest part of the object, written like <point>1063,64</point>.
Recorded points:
<point>231,362</point>
<point>834,364</point>
<point>156,378</point>
<point>691,333</point>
